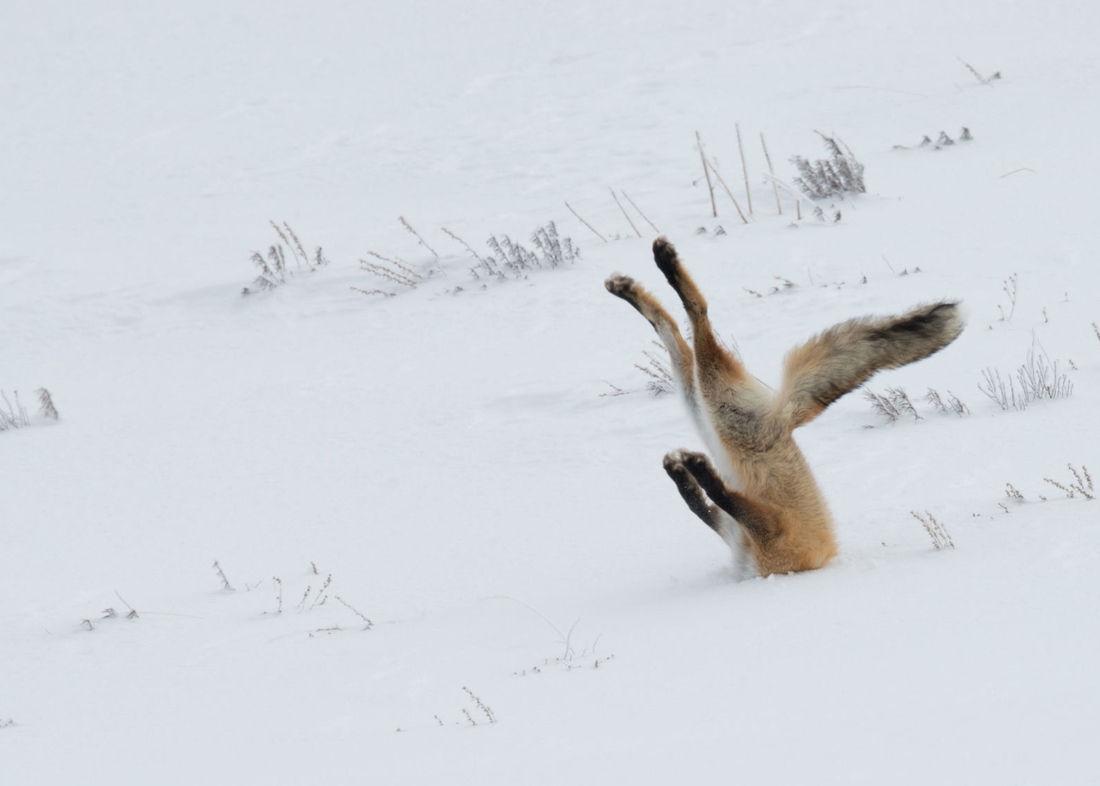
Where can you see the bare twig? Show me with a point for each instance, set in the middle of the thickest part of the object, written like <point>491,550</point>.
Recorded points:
<point>620,204</point>
<point>721,180</point>
<point>640,213</point>
<point>794,193</point>
<point>372,292</point>
<point>133,612</point>
<point>320,597</point>
<point>744,167</point>
<point>706,171</point>
<point>298,249</point>
<point>408,226</point>
<point>278,593</point>
<point>358,613</point>
<point>771,171</point>
<point>463,242</point>
<point>594,232</point>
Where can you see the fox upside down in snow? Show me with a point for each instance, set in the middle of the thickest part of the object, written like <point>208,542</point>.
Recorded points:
<point>777,516</point>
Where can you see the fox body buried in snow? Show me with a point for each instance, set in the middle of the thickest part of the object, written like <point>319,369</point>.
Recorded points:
<point>777,515</point>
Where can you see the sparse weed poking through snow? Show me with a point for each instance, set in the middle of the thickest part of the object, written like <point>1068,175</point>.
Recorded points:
<point>953,404</point>
<point>110,613</point>
<point>275,268</point>
<point>482,706</point>
<point>1010,288</point>
<point>942,141</point>
<point>278,582</point>
<point>396,271</point>
<point>1038,378</point>
<point>935,529</point>
<point>483,711</point>
<point>226,586</point>
<point>985,80</point>
<point>836,176</point>
<point>45,404</point>
<point>416,234</point>
<point>473,253</point>
<point>894,405</point>
<point>355,611</point>
<point>660,379</point>
<point>314,599</point>
<point>14,415</point>
<point>1080,485</point>
<point>133,612</point>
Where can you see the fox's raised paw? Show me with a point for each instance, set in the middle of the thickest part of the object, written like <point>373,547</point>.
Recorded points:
<point>695,463</point>
<point>673,465</point>
<point>664,254</point>
<point>621,286</point>
<point>681,460</point>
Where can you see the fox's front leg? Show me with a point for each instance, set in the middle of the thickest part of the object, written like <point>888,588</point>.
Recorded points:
<point>760,520</point>
<point>678,350</point>
<point>692,492</point>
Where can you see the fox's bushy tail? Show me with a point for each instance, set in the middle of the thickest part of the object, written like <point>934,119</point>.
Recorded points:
<point>846,355</point>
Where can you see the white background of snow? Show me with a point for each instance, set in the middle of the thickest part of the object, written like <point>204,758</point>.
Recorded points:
<point>450,459</point>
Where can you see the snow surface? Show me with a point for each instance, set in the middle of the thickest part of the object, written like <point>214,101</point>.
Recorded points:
<point>453,459</point>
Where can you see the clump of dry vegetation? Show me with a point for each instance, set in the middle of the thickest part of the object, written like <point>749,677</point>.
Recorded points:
<point>894,405</point>
<point>14,415</point>
<point>511,259</point>
<point>283,260</point>
<point>936,530</point>
<point>1079,485</point>
<point>952,404</point>
<point>1038,378</point>
<point>835,176</point>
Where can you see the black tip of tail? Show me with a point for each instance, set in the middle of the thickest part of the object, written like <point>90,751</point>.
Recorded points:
<point>925,330</point>
<point>935,320</point>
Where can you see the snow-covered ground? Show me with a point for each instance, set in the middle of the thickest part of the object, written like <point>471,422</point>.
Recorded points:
<point>453,463</point>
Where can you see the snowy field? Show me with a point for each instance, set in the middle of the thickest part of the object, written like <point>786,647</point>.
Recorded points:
<point>446,549</point>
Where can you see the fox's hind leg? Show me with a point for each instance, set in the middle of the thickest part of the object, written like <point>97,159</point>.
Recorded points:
<point>737,402</point>
<point>711,358</point>
<point>760,520</point>
<point>678,349</point>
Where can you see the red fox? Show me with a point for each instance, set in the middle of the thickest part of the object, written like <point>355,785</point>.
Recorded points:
<point>777,516</point>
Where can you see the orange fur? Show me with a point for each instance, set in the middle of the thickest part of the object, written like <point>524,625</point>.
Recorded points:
<point>777,514</point>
